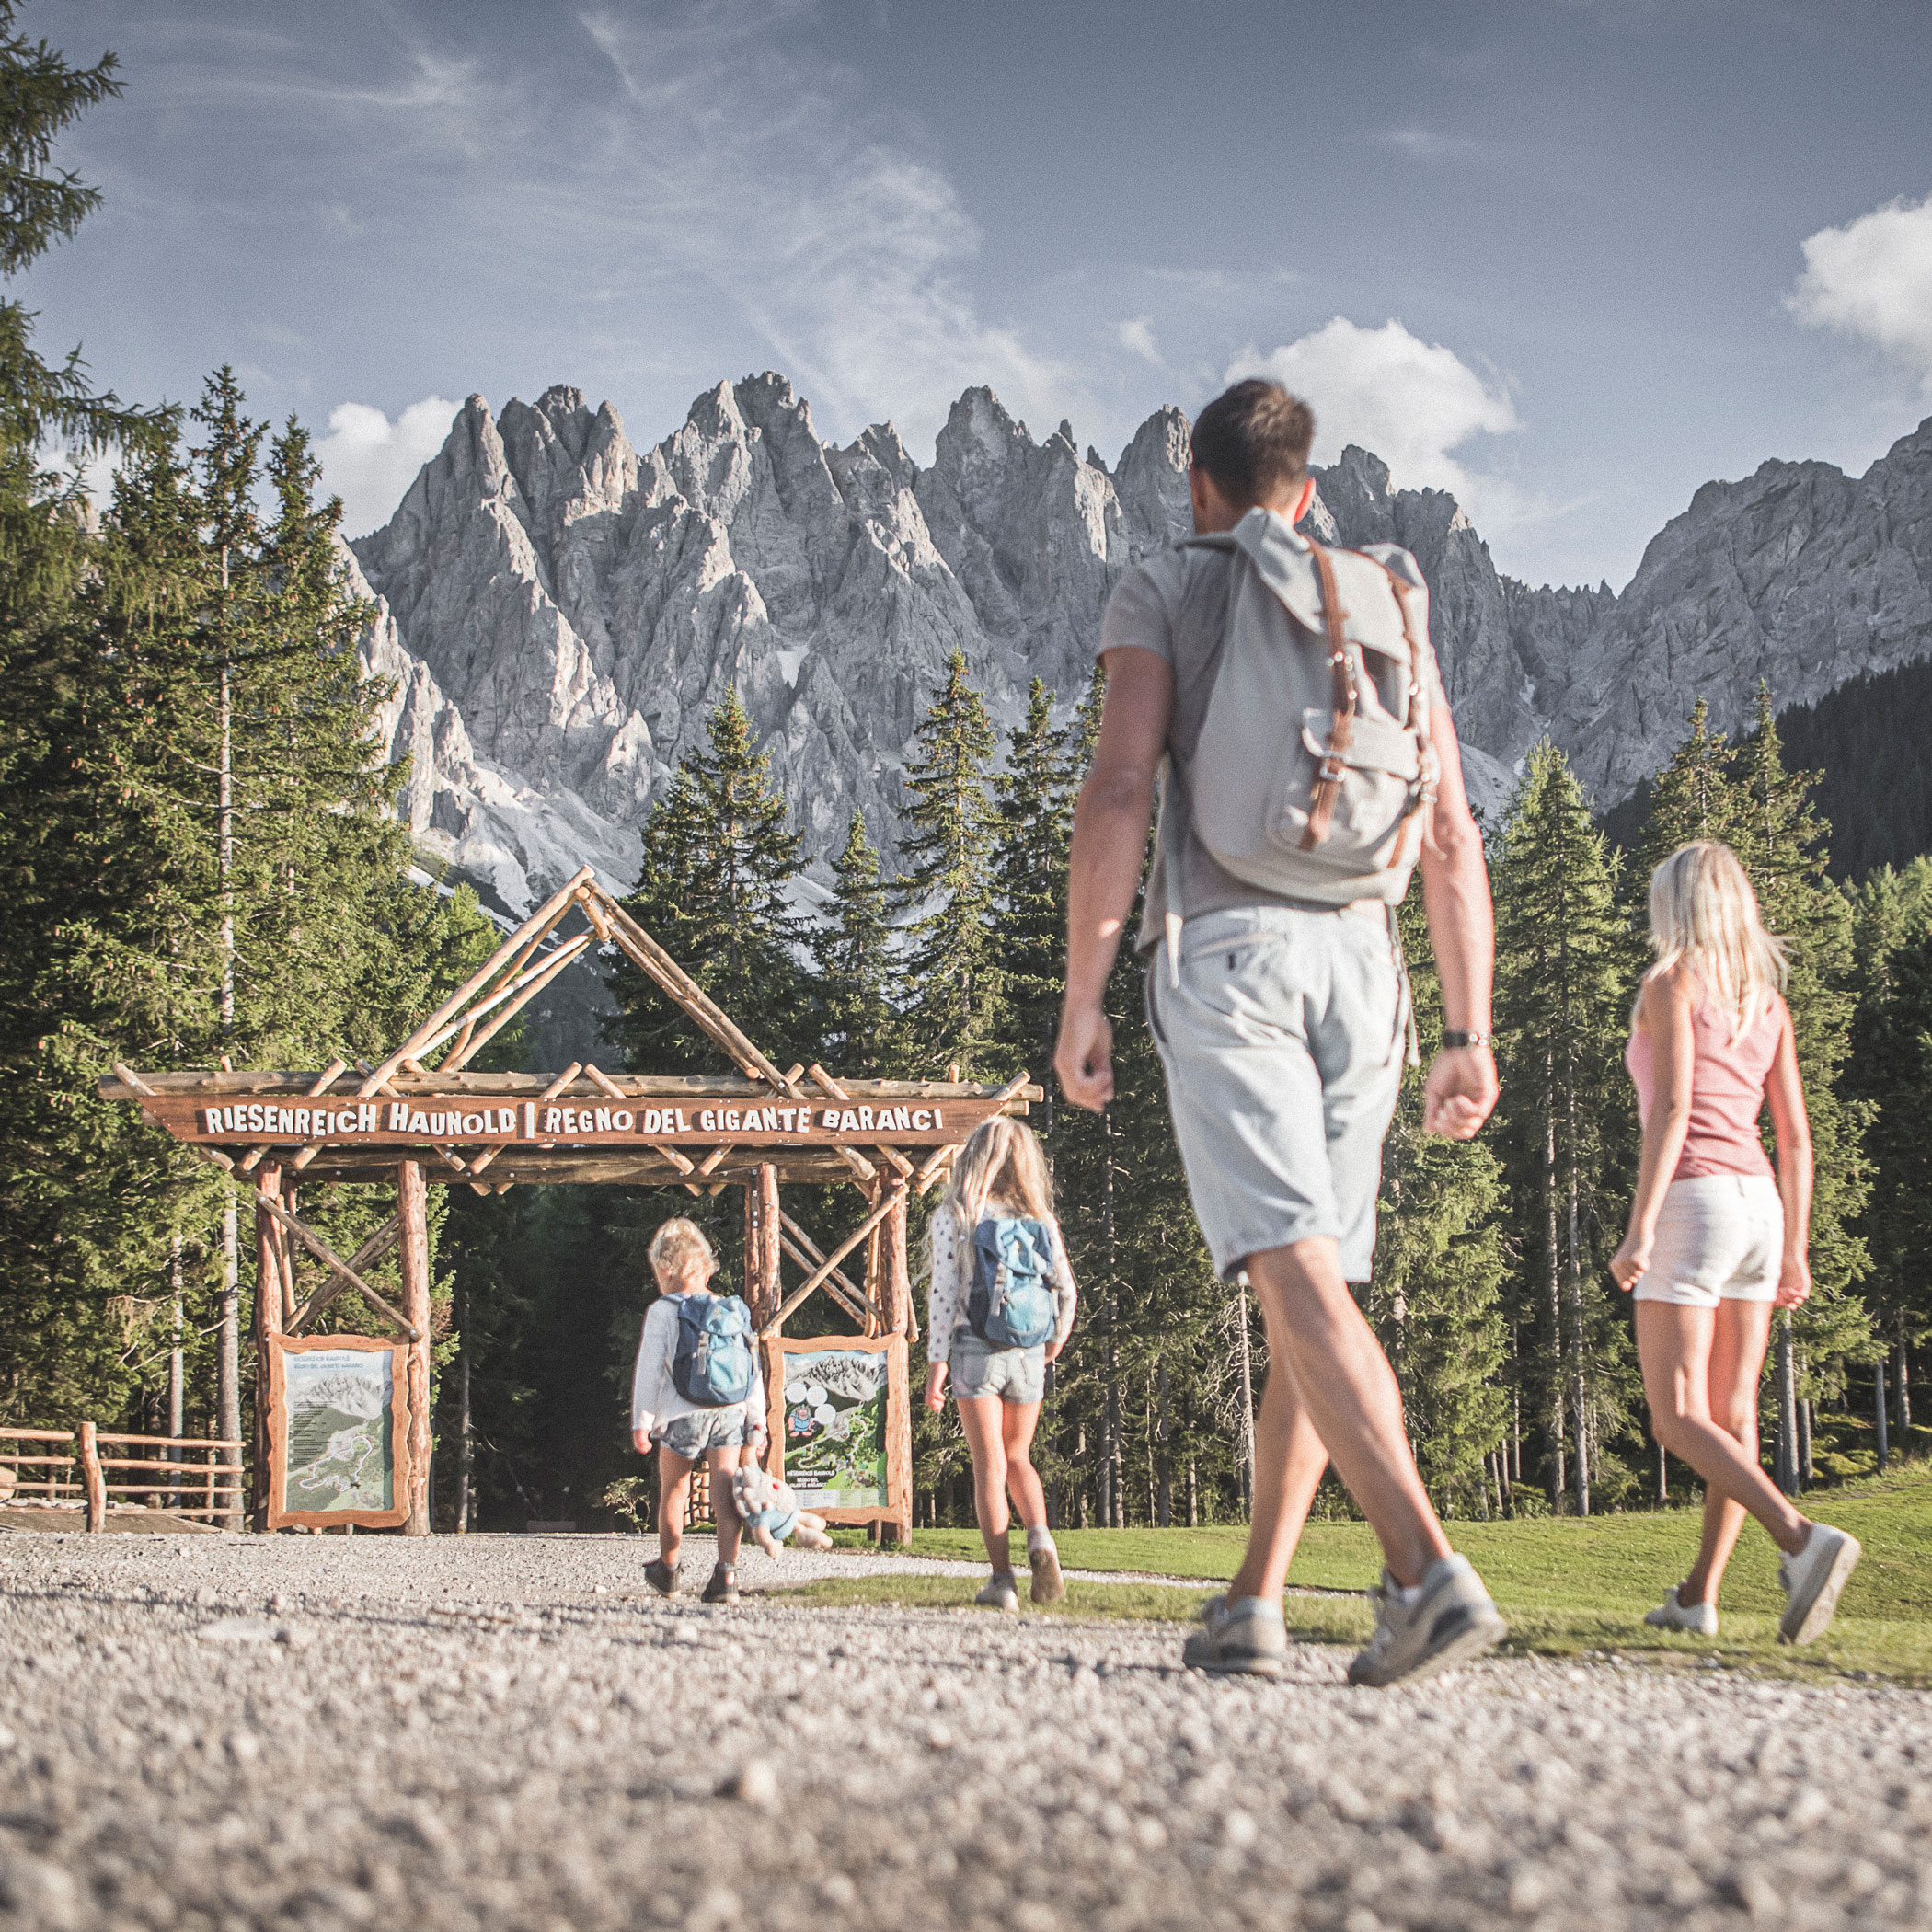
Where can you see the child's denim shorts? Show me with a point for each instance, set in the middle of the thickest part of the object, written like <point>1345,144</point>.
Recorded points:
<point>980,1369</point>
<point>691,1435</point>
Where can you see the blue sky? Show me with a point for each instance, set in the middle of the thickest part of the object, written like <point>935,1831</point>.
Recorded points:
<point>1570,257</point>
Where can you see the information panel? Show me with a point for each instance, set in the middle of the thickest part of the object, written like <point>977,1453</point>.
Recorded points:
<point>338,1431</point>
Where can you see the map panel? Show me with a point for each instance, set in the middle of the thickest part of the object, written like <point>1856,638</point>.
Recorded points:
<point>835,1428</point>
<point>340,1454</point>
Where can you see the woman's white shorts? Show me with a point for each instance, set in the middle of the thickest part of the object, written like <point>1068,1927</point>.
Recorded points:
<point>1720,1237</point>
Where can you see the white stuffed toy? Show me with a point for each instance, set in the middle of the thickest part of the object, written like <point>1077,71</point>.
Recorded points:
<point>771,1512</point>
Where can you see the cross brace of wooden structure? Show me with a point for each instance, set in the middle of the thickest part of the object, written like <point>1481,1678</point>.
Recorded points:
<point>406,1122</point>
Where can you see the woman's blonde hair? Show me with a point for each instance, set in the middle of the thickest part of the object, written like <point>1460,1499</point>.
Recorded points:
<point>1001,1161</point>
<point>680,1248</point>
<point>1704,913</point>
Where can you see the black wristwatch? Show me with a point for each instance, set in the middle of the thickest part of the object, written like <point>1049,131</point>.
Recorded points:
<point>1455,1039</point>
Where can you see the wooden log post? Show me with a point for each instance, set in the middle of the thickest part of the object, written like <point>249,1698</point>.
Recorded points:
<point>764,1229</point>
<point>94,1483</point>
<point>413,1252</point>
<point>269,1291</point>
<point>896,1301</point>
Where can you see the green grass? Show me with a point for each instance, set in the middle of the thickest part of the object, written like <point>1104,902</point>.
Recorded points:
<point>1569,1585</point>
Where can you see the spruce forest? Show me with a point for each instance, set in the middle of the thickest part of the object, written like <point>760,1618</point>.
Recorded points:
<point>203,865</point>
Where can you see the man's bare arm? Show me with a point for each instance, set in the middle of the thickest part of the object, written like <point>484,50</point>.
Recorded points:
<point>1461,1088</point>
<point>1110,826</point>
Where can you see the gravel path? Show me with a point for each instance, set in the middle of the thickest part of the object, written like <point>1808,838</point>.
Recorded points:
<point>207,1734</point>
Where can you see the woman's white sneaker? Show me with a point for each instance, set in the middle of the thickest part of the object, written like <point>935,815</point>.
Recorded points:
<point>1813,1582</point>
<point>1671,1615</point>
<point>998,1594</point>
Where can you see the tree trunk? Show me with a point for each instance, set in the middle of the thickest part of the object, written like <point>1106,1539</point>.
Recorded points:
<point>1878,1405</point>
<point>1246,1360</point>
<point>1904,1392</point>
<point>228,1372</point>
<point>466,1448</point>
<point>1164,1491</point>
<point>1193,1495</point>
<point>1805,1471</point>
<point>1786,1409</point>
<point>1080,1463</point>
<point>1553,1266</point>
<point>177,1358</point>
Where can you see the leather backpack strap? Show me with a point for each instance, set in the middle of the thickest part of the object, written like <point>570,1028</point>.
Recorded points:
<point>1422,663</point>
<point>1347,700</point>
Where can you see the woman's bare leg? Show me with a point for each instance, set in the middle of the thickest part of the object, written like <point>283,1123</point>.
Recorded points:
<point>1741,1331</point>
<point>980,1417</point>
<point>673,1492</point>
<point>1016,1421</point>
<point>724,1502</point>
<point>1674,1345</point>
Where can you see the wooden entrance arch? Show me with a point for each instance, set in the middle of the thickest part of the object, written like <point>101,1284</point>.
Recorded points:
<point>411,1122</point>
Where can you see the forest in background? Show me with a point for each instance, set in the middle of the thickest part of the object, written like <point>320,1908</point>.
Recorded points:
<point>202,863</point>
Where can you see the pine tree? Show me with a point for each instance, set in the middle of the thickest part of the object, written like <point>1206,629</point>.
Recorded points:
<point>853,948</point>
<point>956,967</point>
<point>1888,1070</point>
<point>1782,844</point>
<point>715,892</point>
<point>1440,1266</point>
<point>1564,970</point>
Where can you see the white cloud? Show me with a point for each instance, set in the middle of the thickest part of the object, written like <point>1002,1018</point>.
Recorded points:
<point>370,462</point>
<point>1137,334</point>
<point>760,177</point>
<point>1872,279</point>
<point>1412,403</point>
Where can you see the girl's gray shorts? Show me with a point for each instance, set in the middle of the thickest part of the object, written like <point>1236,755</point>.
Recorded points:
<point>691,1435</point>
<point>979,1369</point>
<point>1282,1044</point>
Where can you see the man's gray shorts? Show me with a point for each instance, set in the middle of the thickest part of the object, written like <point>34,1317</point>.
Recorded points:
<point>977,1368</point>
<point>690,1435</point>
<point>1283,1049</point>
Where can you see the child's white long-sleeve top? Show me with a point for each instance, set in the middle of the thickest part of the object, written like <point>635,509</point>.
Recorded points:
<point>952,1282</point>
<point>654,1399</point>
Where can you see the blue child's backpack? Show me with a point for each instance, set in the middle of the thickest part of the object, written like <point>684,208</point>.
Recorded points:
<point>712,1365</point>
<point>1012,1304</point>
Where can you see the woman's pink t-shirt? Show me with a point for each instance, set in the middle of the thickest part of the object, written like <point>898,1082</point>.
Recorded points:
<point>1727,1088</point>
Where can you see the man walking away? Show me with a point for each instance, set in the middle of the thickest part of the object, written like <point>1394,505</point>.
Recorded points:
<point>1310,762</point>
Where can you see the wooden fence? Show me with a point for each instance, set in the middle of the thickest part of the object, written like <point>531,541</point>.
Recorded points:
<point>193,1476</point>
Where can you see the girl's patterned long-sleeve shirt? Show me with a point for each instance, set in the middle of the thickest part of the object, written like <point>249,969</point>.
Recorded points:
<point>953,1281</point>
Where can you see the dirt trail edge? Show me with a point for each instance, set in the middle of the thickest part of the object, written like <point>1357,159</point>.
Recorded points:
<point>208,1734</point>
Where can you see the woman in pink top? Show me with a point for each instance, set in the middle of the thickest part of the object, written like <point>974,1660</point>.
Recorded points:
<point>1717,1241</point>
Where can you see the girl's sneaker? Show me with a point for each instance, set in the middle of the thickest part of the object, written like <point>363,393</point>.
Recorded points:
<point>723,1586</point>
<point>998,1594</point>
<point>1671,1615</point>
<point>1812,1579</point>
<point>1049,1586</point>
<point>661,1577</point>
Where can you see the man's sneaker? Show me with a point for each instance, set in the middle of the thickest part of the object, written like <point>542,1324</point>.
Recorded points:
<point>1049,1586</point>
<point>661,1577</point>
<point>1671,1615</point>
<point>1812,1580</point>
<point>723,1586</point>
<point>1244,1639</point>
<point>1450,1620</point>
<point>997,1593</point>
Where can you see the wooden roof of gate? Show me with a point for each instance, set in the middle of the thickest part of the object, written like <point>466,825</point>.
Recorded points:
<point>493,1131</point>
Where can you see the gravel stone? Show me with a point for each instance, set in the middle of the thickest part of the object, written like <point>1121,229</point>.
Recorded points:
<point>509,1732</point>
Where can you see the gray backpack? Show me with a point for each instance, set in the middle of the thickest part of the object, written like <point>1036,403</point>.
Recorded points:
<point>1316,771</point>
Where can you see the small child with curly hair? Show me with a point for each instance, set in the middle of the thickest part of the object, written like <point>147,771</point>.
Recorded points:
<point>696,1394</point>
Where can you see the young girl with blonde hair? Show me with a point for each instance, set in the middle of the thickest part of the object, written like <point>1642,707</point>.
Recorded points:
<point>993,1229</point>
<point>1717,1241</point>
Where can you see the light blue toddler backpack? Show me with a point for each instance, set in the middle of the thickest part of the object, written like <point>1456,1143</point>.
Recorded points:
<point>712,1365</point>
<point>1012,1304</point>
